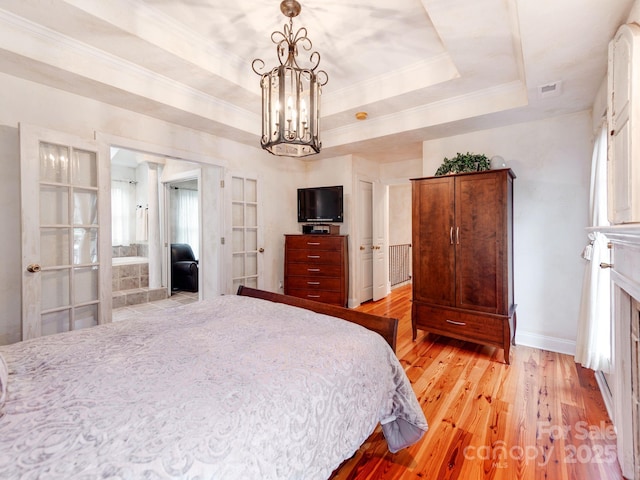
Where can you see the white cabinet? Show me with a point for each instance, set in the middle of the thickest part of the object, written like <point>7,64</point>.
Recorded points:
<point>624,122</point>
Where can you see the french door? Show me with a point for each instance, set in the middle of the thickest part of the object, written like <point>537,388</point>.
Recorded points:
<point>372,243</point>
<point>65,252</point>
<point>365,240</point>
<point>379,220</point>
<point>245,233</point>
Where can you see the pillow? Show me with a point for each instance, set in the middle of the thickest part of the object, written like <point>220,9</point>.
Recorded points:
<point>4,378</point>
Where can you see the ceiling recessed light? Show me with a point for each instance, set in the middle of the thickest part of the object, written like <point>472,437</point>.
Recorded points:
<point>362,115</point>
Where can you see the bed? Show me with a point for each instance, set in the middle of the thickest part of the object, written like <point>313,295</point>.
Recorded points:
<point>247,386</point>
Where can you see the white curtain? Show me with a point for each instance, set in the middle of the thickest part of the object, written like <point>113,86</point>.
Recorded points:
<point>122,211</point>
<point>184,218</point>
<point>593,343</point>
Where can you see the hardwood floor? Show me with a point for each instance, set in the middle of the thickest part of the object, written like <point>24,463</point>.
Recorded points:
<point>542,417</point>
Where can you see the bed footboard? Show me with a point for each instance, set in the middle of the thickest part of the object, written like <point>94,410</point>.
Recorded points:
<point>385,326</point>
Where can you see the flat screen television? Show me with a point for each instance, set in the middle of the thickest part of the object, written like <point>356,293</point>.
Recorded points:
<point>320,204</point>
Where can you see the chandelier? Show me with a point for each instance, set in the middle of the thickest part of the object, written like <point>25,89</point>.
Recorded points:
<point>291,93</point>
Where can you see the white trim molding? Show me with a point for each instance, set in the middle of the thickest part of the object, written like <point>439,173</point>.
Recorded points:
<point>545,342</point>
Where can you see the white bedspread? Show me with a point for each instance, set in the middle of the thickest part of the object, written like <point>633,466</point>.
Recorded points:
<point>231,388</point>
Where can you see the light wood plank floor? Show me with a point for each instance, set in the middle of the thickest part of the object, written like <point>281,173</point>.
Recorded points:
<point>542,417</point>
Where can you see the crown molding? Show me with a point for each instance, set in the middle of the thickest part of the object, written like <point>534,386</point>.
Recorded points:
<point>417,76</point>
<point>37,44</point>
<point>473,104</point>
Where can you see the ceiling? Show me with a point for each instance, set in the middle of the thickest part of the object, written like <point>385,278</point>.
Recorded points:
<point>421,69</point>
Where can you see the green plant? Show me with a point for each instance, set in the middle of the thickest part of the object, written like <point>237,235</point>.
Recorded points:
<point>461,163</point>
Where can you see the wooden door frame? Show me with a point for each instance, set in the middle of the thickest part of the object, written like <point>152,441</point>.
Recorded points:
<point>212,258</point>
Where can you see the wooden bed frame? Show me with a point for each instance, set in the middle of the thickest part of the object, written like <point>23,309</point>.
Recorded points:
<point>385,326</point>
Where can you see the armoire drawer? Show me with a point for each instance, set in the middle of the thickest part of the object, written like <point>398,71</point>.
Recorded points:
<point>465,326</point>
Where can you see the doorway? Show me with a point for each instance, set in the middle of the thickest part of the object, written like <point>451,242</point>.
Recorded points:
<point>183,233</point>
<point>365,240</point>
<point>372,240</point>
<point>143,229</point>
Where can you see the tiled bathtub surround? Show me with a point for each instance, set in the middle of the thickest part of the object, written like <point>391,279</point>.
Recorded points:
<point>133,250</point>
<point>132,311</point>
<point>127,277</point>
<point>136,296</point>
<point>130,281</point>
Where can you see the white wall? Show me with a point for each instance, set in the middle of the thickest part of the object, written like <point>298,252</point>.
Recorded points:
<point>397,176</point>
<point>10,300</point>
<point>31,103</point>
<point>337,171</point>
<point>400,214</point>
<point>551,160</point>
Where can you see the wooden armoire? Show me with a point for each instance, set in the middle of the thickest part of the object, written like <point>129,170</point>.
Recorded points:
<point>462,229</point>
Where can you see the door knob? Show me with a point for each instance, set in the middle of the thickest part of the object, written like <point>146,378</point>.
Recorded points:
<point>33,268</point>
<point>606,265</point>
<point>362,247</point>
<point>261,250</point>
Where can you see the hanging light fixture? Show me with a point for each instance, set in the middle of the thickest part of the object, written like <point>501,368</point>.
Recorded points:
<point>291,94</point>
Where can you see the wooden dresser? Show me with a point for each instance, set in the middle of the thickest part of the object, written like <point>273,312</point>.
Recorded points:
<point>462,229</point>
<point>316,267</point>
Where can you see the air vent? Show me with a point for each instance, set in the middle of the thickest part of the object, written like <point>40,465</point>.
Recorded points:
<point>550,89</point>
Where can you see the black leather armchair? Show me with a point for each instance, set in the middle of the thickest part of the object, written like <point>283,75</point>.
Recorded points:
<point>184,268</point>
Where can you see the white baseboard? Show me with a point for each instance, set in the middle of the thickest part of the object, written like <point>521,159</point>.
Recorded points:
<point>544,342</point>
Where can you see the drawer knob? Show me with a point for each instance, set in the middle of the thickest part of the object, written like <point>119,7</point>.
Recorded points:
<point>453,322</point>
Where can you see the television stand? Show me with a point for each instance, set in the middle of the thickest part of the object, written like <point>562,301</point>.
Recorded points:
<point>321,228</point>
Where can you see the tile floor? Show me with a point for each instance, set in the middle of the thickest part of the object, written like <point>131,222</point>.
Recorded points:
<point>130,311</point>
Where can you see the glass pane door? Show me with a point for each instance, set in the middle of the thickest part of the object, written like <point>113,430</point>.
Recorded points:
<point>61,232</point>
<point>68,238</point>
<point>245,241</point>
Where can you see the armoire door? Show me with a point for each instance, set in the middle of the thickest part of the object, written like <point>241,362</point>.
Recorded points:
<point>433,241</point>
<point>479,214</point>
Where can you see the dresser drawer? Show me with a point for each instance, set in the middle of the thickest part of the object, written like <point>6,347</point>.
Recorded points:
<point>314,242</point>
<point>473,327</point>
<point>336,298</point>
<point>316,270</point>
<point>314,283</point>
<point>314,257</point>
